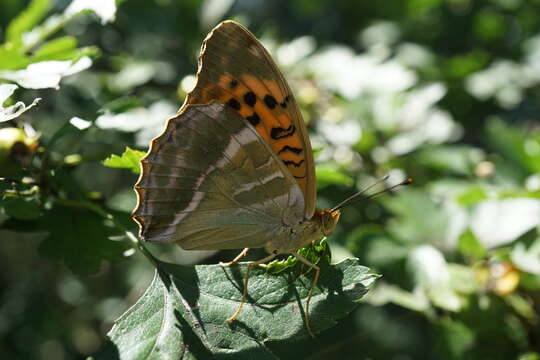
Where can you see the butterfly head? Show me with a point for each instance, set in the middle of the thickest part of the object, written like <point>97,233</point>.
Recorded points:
<point>328,220</point>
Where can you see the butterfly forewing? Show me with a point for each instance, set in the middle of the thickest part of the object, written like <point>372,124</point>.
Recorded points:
<point>236,70</point>
<point>211,182</point>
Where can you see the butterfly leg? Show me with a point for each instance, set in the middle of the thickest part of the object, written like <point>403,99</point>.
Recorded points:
<point>236,259</point>
<point>244,293</point>
<point>313,286</point>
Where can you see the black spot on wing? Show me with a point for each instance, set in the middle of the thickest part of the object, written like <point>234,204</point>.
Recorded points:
<point>291,149</point>
<point>233,83</point>
<point>250,98</point>
<point>270,101</point>
<point>234,104</point>
<point>283,104</point>
<point>280,133</point>
<point>293,163</point>
<point>287,98</point>
<point>254,119</point>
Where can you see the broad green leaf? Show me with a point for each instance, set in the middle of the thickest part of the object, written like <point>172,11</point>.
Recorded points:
<point>183,312</point>
<point>79,238</point>
<point>130,159</point>
<point>27,19</point>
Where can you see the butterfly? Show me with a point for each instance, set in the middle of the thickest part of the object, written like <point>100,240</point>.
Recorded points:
<point>234,167</point>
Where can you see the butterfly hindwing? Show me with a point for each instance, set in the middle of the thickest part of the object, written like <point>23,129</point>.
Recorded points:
<point>211,182</point>
<point>236,70</point>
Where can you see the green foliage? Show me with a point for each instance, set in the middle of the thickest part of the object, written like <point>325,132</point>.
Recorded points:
<point>130,159</point>
<point>446,92</point>
<point>185,308</point>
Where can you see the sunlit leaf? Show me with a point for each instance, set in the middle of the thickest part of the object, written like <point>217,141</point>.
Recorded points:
<point>105,9</point>
<point>27,19</point>
<point>61,48</point>
<point>15,110</point>
<point>130,159</point>
<point>470,246</point>
<point>498,222</point>
<point>46,74</point>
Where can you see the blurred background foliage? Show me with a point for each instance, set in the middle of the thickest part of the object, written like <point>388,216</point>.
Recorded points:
<point>444,91</point>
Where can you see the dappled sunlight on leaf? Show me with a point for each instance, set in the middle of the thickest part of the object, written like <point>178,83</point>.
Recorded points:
<point>13,111</point>
<point>498,222</point>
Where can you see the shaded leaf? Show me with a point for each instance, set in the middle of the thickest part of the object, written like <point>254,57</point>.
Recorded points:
<point>22,208</point>
<point>130,159</point>
<point>79,238</point>
<point>183,312</point>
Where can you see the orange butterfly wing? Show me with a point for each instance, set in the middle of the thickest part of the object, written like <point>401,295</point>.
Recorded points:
<point>235,69</point>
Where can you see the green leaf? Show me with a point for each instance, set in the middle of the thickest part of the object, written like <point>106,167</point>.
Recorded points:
<point>516,145</point>
<point>419,218</point>
<point>454,339</point>
<point>469,245</point>
<point>182,313</point>
<point>11,58</point>
<point>62,48</point>
<point>130,159</point>
<point>326,177</point>
<point>27,19</point>
<point>457,159</point>
<point>473,195</point>
<point>80,238</point>
<point>26,208</point>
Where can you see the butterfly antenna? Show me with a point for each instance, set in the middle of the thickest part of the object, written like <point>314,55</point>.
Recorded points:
<point>349,201</point>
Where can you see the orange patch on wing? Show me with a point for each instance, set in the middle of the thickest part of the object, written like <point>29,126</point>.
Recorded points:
<point>232,91</point>
<point>275,90</point>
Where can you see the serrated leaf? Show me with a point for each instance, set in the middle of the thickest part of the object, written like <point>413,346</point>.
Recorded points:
<point>182,313</point>
<point>27,19</point>
<point>79,238</point>
<point>130,159</point>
